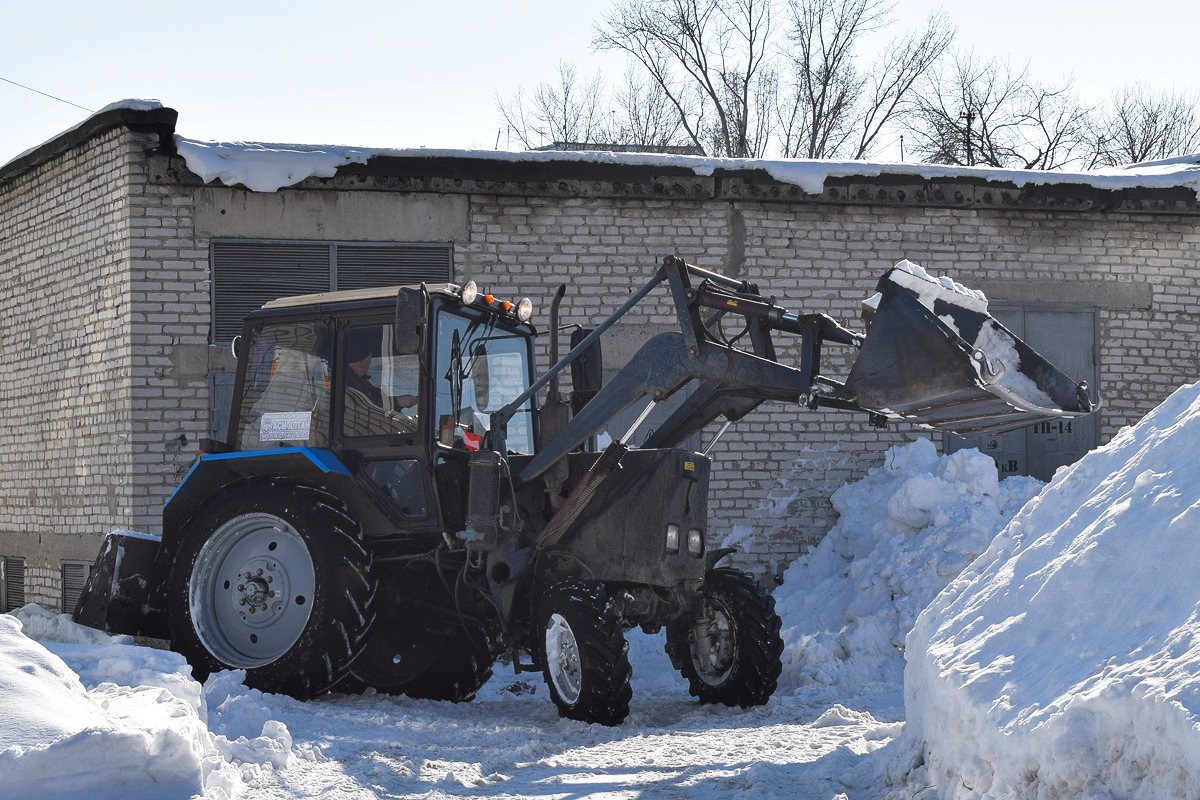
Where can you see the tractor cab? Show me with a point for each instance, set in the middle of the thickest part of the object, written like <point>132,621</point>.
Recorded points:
<point>397,384</point>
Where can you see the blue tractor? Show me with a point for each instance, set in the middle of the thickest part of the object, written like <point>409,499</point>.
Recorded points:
<point>393,508</point>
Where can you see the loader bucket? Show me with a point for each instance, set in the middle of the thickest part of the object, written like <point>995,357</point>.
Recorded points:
<point>934,356</point>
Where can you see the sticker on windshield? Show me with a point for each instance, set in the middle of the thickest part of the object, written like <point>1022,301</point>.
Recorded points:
<point>292,426</point>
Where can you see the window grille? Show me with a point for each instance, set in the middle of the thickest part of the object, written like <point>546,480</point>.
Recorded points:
<point>246,274</point>
<point>12,583</point>
<point>74,577</point>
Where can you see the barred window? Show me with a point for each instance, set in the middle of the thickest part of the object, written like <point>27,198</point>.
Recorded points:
<point>248,273</point>
<point>74,577</point>
<point>12,582</point>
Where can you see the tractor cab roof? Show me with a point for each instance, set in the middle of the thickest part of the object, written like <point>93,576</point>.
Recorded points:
<point>380,293</point>
<point>353,301</point>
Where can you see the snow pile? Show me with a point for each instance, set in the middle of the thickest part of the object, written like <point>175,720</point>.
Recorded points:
<point>245,725</point>
<point>59,739</point>
<point>905,531</point>
<point>88,715</point>
<point>45,626</point>
<point>1065,662</point>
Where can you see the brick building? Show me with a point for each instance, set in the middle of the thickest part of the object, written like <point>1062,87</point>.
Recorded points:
<point>127,263</point>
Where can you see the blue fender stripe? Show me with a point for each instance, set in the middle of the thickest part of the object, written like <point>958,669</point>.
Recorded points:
<point>323,459</point>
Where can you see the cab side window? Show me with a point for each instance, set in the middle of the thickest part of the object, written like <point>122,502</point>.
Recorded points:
<point>379,388</point>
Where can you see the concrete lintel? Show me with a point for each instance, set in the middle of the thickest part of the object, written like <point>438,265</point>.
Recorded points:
<point>335,216</point>
<point>1101,294</point>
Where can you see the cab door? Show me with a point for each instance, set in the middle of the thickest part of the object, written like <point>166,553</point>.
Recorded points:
<point>381,422</point>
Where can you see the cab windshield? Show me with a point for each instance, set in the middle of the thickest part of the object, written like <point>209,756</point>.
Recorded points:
<point>479,367</point>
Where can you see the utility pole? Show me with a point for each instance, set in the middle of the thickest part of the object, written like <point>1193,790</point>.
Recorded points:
<point>969,116</point>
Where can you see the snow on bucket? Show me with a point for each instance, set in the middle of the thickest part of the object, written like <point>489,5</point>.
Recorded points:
<point>935,356</point>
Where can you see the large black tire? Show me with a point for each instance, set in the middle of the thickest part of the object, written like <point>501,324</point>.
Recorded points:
<point>584,654</point>
<point>743,664</point>
<point>272,577</point>
<point>415,650</point>
<point>460,670</point>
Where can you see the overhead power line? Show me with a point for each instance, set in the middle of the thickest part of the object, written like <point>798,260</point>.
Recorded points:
<point>52,97</point>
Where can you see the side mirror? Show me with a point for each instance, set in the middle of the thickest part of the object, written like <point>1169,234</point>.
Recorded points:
<point>587,371</point>
<point>410,321</point>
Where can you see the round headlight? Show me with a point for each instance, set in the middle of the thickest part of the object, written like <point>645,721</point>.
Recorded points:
<point>525,309</point>
<point>469,293</point>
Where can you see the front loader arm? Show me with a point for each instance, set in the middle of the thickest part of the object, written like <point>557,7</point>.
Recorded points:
<point>733,382</point>
<point>915,364</point>
<point>662,367</point>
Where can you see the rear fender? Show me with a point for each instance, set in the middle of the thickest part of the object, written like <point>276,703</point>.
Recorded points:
<point>212,474</point>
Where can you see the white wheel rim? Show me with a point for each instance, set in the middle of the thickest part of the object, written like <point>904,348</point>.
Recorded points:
<point>251,590</point>
<point>723,655</point>
<point>562,659</point>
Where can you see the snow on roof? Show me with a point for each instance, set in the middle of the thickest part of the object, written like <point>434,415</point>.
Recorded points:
<point>265,167</point>
<point>131,104</point>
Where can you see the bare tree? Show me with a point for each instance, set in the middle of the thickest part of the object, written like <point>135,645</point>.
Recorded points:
<point>831,108</point>
<point>1055,128</point>
<point>987,113</point>
<point>643,114</point>
<point>894,75</point>
<point>709,59</point>
<point>1143,125</point>
<point>566,111</point>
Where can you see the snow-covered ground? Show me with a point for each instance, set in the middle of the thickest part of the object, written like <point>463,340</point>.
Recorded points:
<point>1062,662</point>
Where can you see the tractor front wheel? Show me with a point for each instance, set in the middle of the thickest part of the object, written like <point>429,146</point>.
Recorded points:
<point>730,652</point>
<point>584,655</point>
<point>271,577</point>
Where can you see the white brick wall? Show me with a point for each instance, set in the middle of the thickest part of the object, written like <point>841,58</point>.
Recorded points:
<point>827,259</point>
<point>64,436</point>
<point>105,323</point>
<point>65,332</point>
<point>170,314</point>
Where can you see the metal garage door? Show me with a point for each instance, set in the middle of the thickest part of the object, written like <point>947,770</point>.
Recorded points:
<point>1067,335</point>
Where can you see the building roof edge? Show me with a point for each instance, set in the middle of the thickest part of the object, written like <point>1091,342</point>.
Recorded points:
<point>141,117</point>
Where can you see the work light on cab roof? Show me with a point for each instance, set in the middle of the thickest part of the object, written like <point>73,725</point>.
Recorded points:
<point>522,310</point>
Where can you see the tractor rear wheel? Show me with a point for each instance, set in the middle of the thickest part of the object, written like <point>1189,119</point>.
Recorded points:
<point>419,646</point>
<point>271,577</point>
<point>730,652</point>
<point>584,654</point>
<point>460,670</point>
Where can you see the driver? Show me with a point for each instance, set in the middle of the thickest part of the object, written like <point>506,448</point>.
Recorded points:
<point>360,350</point>
<point>366,410</point>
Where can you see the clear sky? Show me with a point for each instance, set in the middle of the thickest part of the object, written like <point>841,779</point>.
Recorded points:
<point>414,74</point>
